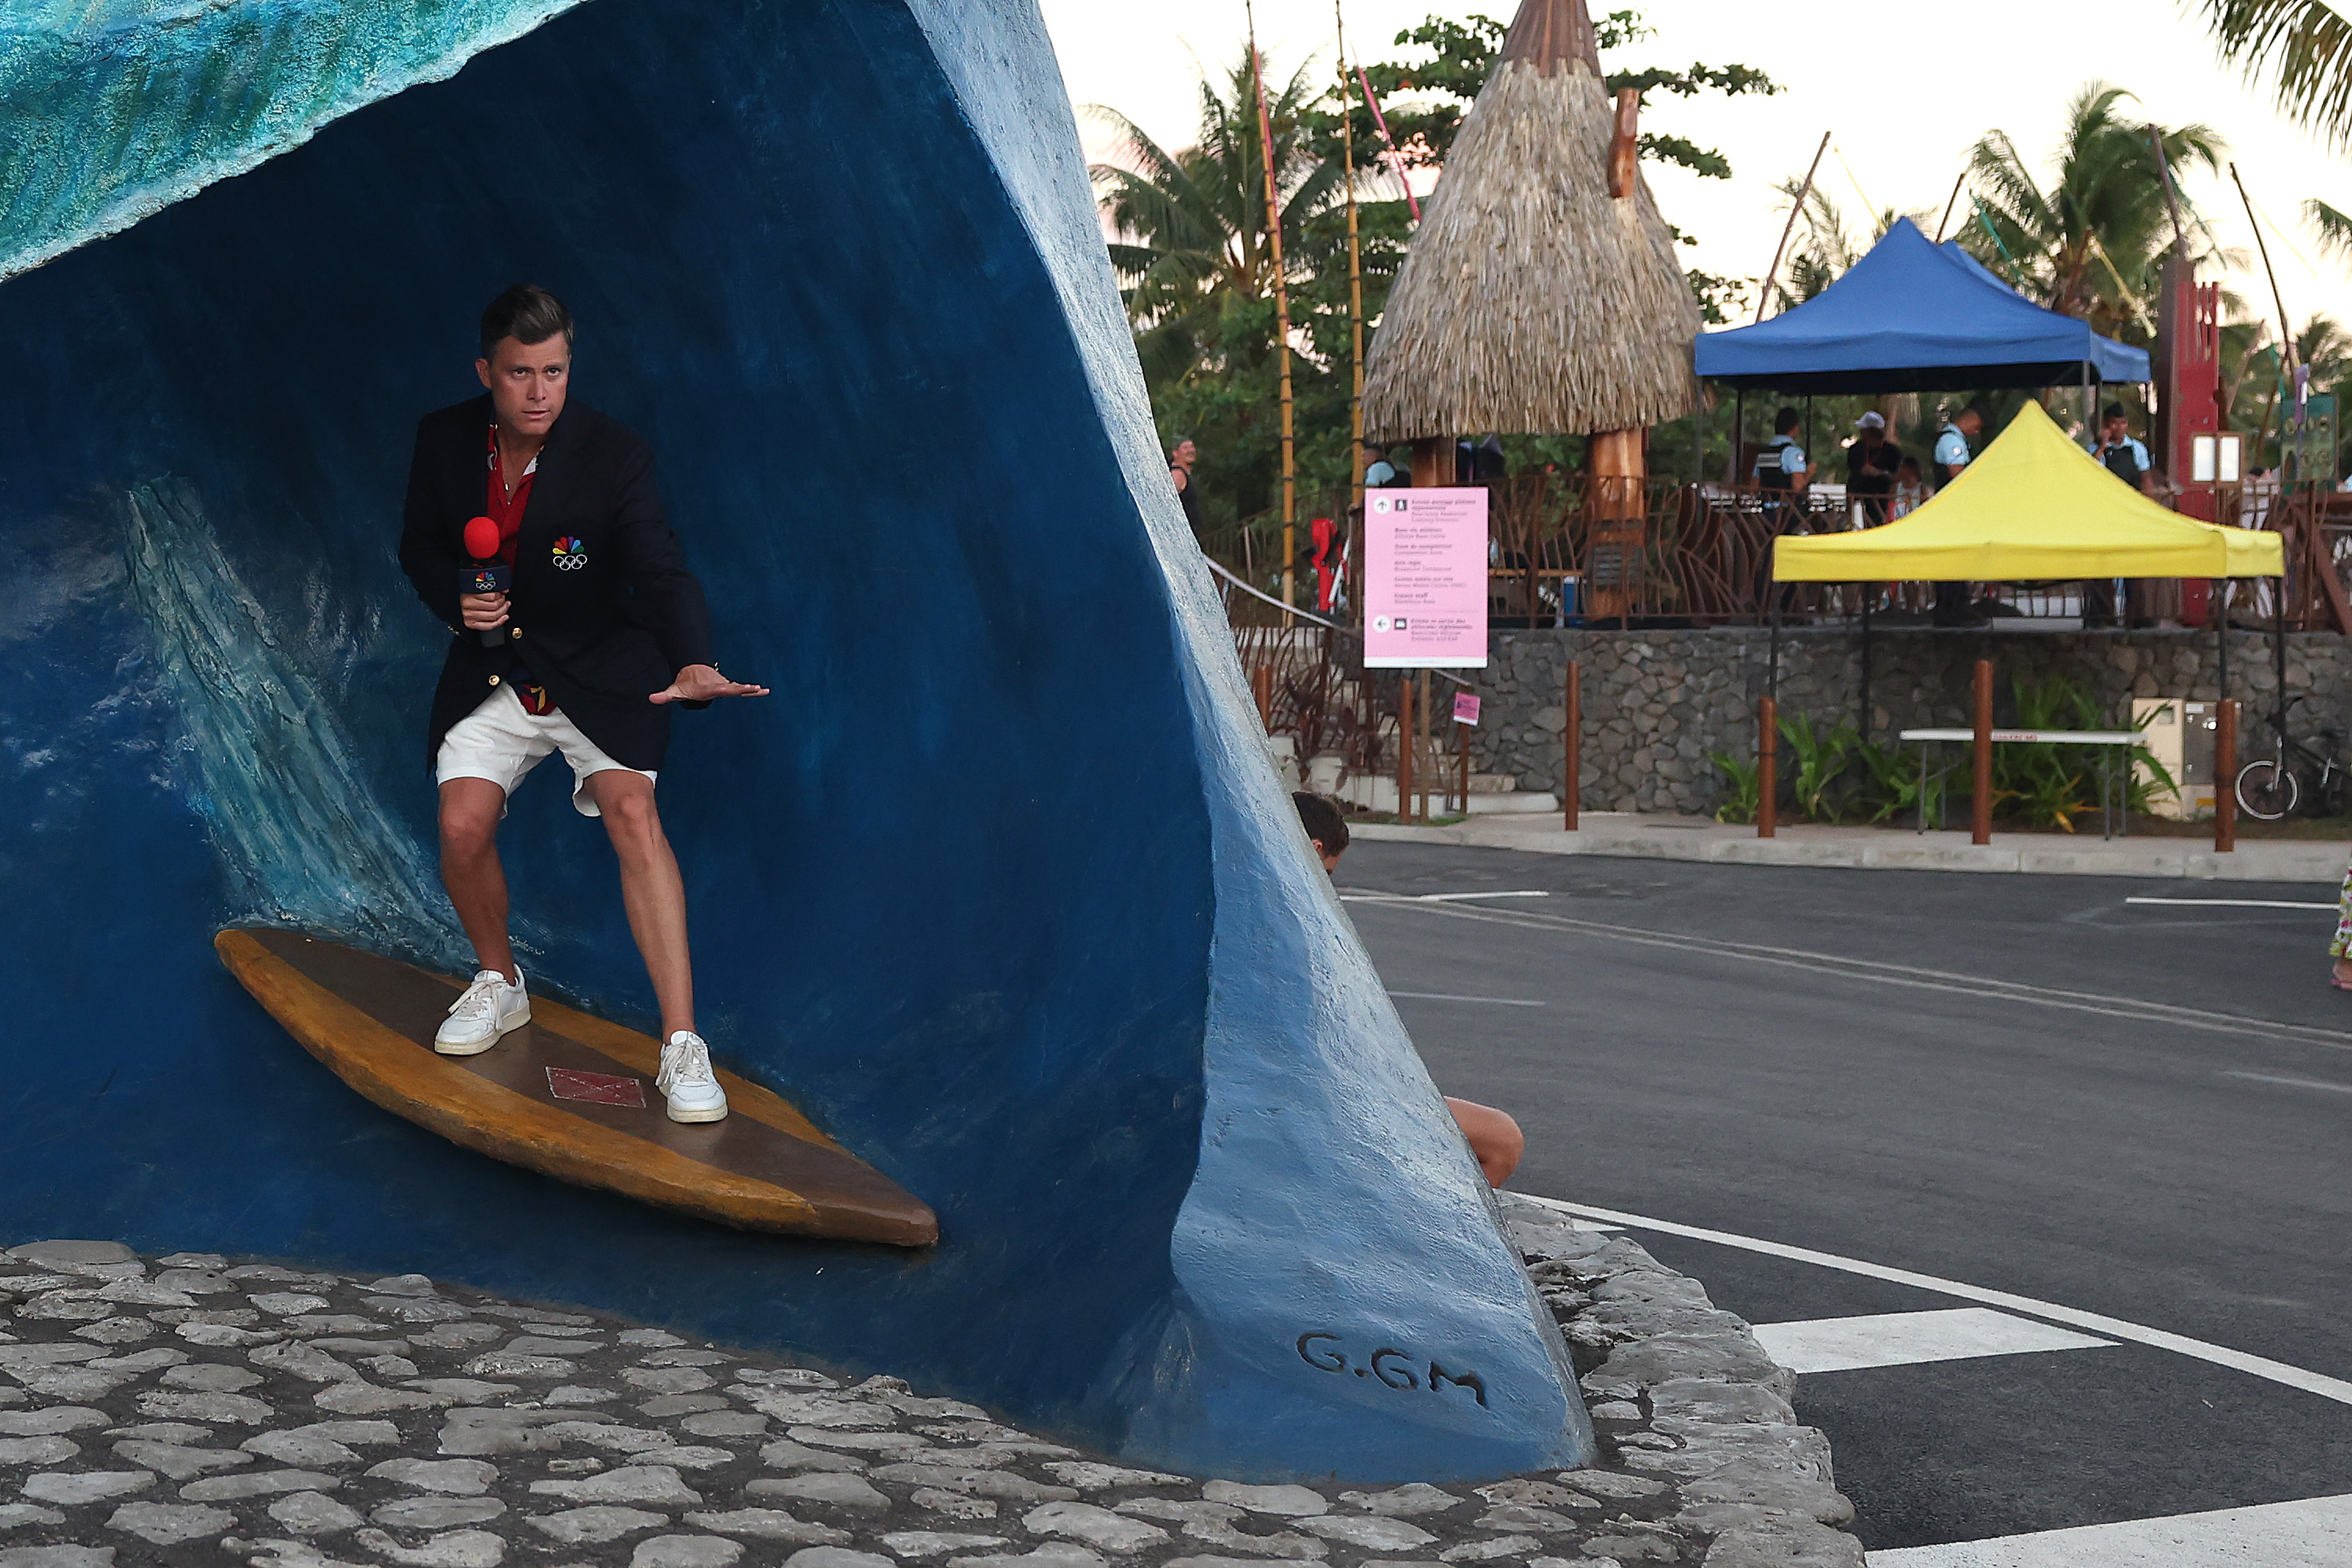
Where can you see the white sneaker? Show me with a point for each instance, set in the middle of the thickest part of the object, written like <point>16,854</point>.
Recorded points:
<point>487,1010</point>
<point>687,1079</point>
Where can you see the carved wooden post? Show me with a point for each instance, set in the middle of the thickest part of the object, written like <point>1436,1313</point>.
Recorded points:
<point>1981,806</point>
<point>1768,768</point>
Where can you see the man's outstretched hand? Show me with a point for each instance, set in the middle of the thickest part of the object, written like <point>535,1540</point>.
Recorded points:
<point>701,683</point>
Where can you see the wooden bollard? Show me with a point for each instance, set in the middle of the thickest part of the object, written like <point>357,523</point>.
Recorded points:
<point>1404,747</point>
<point>1462,733</point>
<point>1572,744</point>
<point>1768,768</point>
<point>1981,802</point>
<point>2225,778</point>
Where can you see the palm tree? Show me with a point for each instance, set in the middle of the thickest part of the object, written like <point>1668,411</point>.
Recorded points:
<point>1192,247</point>
<point>1826,249</point>
<point>2333,226</point>
<point>2091,242</point>
<point>2301,48</point>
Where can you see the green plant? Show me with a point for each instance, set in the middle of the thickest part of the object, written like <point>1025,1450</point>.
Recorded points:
<point>1890,784</point>
<point>2055,783</point>
<point>1742,788</point>
<point>1822,757</point>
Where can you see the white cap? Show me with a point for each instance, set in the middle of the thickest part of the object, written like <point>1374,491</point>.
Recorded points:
<point>1873,420</point>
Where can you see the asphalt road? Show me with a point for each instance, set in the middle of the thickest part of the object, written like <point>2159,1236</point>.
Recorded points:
<point>2025,1084</point>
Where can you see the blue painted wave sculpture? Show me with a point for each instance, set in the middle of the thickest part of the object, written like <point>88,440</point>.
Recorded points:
<point>998,888</point>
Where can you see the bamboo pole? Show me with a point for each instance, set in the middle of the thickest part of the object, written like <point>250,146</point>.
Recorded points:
<point>2287,328</point>
<point>1281,324</point>
<point>1764,300</point>
<point>1355,284</point>
<point>1396,159</point>
<point>1949,202</point>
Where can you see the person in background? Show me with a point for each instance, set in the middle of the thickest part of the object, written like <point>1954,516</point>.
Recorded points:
<point>1494,1139</point>
<point>1380,474</point>
<point>1870,465</point>
<point>2124,457</point>
<point>1780,463</point>
<point>1952,453</point>
<point>1910,489</point>
<point>2340,950</point>
<point>2118,451</point>
<point>1180,470</point>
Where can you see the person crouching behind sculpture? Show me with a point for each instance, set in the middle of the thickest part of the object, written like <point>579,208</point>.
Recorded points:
<point>1495,1140</point>
<point>574,627</point>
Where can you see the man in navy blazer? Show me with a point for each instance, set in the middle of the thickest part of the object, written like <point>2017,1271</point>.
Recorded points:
<point>598,631</point>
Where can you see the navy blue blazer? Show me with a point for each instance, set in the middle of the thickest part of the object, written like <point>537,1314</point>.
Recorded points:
<point>602,611</point>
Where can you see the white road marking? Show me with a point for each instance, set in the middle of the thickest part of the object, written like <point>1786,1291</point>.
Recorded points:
<point>1904,975</point>
<point>2327,1387</point>
<point>1909,1338</point>
<point>2233,903</point>
<point>1367,895</point>
<point>2292,1082</point>
<point>2316,1533</point>
<point>1441,997</point>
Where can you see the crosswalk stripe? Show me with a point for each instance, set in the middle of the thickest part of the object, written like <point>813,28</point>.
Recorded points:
<point>2335,1388</point>
<point>1910,1339</point>
<point>2316,1533</point>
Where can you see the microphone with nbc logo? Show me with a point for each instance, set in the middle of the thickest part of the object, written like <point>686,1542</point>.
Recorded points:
<point>487,574</point>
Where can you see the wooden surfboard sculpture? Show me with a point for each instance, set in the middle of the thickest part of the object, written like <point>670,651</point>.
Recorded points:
<point>570,1096</point>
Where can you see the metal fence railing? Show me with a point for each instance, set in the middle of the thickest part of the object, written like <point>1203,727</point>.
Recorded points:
<point>1574,549</point>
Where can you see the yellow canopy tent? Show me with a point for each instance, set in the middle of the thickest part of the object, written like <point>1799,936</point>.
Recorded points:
<point>2034,508</point>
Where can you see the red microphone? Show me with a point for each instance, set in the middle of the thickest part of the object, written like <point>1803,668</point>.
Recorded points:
<point>487,574</point>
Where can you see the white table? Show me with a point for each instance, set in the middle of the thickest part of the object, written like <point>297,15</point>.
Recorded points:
<point>2108,823</point>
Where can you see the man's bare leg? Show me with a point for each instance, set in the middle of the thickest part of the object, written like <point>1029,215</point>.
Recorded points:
<point>651,889</point>
<point>477,882</point>
<point>1495,1140</point>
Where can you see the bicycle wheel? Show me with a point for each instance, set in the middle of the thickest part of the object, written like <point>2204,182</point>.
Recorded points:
<point>2267,792</point>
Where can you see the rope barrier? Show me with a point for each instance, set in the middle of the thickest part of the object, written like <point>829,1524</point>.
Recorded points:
<point>1220,569</point>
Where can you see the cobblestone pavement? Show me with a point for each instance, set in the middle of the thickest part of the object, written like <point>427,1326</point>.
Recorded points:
<point>186,1410</point>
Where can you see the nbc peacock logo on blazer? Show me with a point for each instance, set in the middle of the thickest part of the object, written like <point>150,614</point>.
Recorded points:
<point>570,554</point>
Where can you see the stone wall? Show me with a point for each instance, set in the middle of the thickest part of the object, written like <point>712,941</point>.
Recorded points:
<point>1658,703</point>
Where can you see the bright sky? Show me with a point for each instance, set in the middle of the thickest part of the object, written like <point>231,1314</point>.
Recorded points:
<point>1904,90</point>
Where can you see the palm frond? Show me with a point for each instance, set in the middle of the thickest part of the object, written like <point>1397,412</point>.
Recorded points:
<point>2331,226</point>
<point>2302,49</point>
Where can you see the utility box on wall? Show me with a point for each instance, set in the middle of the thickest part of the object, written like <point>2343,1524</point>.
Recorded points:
<point>2179,736</point>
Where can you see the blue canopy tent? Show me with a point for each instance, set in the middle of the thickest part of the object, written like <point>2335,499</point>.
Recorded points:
<point>1914,316</point>
<point>1911,316</point>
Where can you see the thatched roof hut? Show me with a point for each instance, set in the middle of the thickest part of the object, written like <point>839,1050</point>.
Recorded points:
<point>1531,301</point>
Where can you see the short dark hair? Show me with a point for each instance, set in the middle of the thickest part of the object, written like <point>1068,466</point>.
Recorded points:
<point>1984,415</point>
<point>1788,419</point>
<point>2113,411</point>
<point>1322,821</point>
<point>527,313</point>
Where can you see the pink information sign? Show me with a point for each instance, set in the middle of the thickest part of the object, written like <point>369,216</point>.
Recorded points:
<point>1425,579</point>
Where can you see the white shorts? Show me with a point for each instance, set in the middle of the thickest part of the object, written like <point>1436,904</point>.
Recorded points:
<point>501,741</point>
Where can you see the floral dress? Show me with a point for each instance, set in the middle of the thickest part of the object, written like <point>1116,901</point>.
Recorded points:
<point>2342,946</point>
